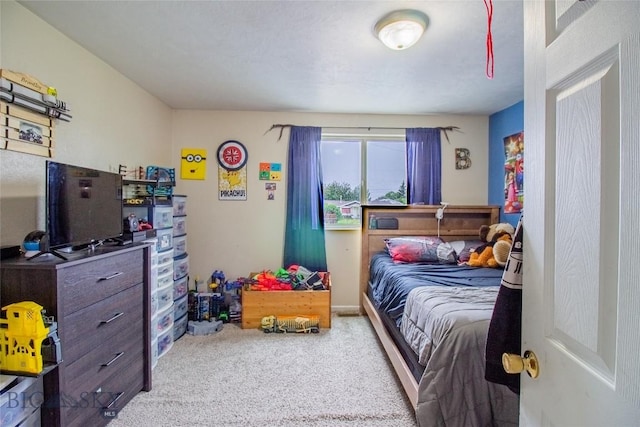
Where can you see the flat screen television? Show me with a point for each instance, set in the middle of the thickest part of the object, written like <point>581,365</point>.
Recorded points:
<point>83,205</point>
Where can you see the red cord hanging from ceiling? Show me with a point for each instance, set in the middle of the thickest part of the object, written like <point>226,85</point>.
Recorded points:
<point>488,4</point>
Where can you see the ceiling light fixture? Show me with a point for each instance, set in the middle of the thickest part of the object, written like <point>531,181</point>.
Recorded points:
<point>401,29</point>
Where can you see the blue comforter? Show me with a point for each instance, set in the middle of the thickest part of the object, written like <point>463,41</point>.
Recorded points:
<point>391,282</point>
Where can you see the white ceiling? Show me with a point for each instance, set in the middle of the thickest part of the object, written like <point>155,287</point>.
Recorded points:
<point>302,56</point>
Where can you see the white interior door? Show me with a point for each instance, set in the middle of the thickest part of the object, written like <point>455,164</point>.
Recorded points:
<point>581,296</point>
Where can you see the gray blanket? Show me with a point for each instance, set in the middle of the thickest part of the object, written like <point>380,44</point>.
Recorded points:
<point>447,328</point>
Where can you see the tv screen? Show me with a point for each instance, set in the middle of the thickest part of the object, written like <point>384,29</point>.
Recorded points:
<point>83,205</point>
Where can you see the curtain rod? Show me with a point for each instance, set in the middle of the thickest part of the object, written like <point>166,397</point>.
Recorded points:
<point>444,129</point>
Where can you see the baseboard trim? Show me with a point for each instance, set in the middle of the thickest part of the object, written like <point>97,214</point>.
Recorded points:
<point>346,310</point>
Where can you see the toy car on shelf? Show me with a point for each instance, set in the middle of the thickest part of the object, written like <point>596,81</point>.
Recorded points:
<point>294,324</point>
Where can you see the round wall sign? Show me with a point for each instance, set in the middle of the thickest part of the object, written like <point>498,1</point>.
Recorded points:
<point>232,155</point>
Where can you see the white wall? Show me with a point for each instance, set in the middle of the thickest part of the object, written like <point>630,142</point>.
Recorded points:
<point>239,237</point>
<point>114,120</point>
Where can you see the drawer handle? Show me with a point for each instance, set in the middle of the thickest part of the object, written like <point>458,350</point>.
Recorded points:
<point>113,402</point>
<point>110,277</point>
<point>114,317</point>
<point>116,357</point>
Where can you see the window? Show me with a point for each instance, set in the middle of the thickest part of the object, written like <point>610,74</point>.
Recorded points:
<point>361,171</point>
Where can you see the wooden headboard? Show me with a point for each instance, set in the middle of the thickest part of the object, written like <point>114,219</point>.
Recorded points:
<point>458,223</point>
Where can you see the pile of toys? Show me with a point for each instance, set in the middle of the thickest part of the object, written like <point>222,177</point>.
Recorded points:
<point>221,301</point>
<point>296,278</point>
<point>220,305</point>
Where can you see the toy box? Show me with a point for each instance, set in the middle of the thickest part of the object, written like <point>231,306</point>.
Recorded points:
<point>258,304</point>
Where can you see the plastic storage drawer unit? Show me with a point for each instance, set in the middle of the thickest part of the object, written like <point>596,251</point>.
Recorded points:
<point>154,303</point>
<point>179,246</point>
<point>180,327</point>
<point>162,217</point>
<point>164,320</point>
<point>165,296</point>
<point>164,269</point>
<point>180,287</point>
<point>179,225</point>
<point>165,342</point>
<point>165,239</point>
<point>166,280</point>
<point>165,257</point>
<point>179,205</point>
<point>180,267</point>
<point>154,352</point>
<point>180,308</point>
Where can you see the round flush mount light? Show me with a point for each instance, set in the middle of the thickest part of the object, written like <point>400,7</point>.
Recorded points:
<point>401,29</point>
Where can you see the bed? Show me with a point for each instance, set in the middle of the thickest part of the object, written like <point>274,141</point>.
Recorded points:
<point>432,318</point>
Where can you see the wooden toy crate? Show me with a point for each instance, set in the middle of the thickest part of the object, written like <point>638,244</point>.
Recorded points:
<point>258,304</point>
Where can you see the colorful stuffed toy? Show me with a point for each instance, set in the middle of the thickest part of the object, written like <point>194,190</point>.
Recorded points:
<point>494,252</point>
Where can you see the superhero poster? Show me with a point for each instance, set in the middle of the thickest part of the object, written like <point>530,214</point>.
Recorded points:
<point>514,173</point>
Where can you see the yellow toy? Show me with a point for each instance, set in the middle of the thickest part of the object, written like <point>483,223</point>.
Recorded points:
<point>494,253</point>
<point>294,324</point>
<point>22,331</point>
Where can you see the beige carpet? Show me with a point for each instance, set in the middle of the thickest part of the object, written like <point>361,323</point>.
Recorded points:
<point>339,377</point>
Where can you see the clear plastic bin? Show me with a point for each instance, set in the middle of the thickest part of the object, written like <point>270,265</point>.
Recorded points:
<point>180,287</point>
<point>165,297</point>
<point>179,225</point>
<point>179,205</point>
<point>165,257</point>
<point>161,216</point>
<point>166,268</point>
<point>165,342</point>
<point>180,327</point>
<point>165,239</point>
<point>179,246</point>
<point>164,320</point>
<point>166,280</point>
<point>180,267</point>
<point>180,307</point>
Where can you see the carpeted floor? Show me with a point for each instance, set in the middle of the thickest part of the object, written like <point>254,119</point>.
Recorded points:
<point>339,377</point>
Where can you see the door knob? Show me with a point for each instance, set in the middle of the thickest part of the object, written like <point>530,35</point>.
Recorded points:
<point>514,364</point>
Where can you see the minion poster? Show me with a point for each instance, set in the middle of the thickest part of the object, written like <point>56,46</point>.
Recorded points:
<point>232,171</point>
<point>514,173</point>
<point>193,163</point>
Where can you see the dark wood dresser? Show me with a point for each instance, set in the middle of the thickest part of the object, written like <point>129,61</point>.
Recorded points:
<point>101,301</point>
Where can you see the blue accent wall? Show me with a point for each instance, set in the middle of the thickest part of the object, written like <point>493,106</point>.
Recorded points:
<point>502,124</point>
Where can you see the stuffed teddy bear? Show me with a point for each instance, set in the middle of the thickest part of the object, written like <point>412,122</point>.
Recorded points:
<point>494,252</point>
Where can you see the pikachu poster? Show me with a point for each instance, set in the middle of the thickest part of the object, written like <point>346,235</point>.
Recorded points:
<point>232,171</point>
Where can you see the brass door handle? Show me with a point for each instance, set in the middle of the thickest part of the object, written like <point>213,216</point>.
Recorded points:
<point>514,364</point>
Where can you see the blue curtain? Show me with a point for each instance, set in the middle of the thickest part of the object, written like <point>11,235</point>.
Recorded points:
<point>424,169</point>
<point>304,242</point>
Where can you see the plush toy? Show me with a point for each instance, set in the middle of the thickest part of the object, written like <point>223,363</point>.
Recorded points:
<point>495,251</point>
<point>501,250</point>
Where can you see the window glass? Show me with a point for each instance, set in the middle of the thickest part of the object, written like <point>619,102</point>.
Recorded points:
<point>357,171</point>
<point>341,175</point>
<point>386,177</point>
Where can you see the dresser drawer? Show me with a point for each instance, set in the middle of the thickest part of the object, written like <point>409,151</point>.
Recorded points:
<point>96,280</point>
<point>88,328</point>
<point>115,393</point>
<point>94,368</point>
